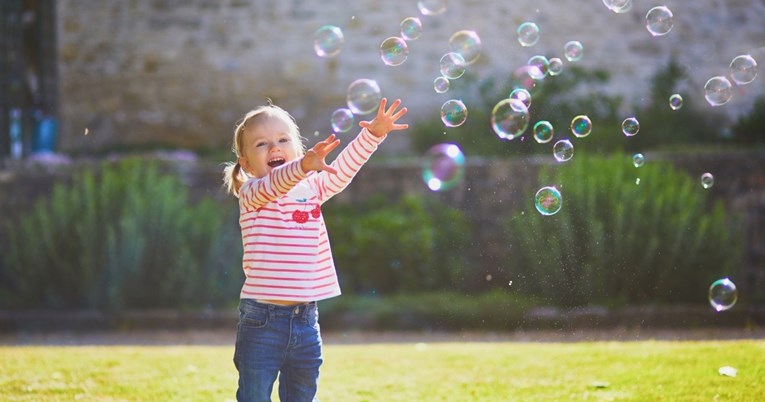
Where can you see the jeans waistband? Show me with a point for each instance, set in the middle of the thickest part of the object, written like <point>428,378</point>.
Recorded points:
<point>296,310</point>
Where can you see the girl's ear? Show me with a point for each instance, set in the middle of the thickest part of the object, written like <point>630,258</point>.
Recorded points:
<point>244,164</point>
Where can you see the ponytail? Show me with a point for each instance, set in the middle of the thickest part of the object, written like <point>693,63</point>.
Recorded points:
<point>233,176</point>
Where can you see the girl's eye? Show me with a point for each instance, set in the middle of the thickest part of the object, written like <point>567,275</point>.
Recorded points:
<point>284,140</point>
<point>260,144</point>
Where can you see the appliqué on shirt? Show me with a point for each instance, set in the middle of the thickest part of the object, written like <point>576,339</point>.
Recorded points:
<point>301,215</point>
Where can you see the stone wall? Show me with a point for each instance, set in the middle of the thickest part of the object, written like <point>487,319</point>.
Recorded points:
<point>181,72</point>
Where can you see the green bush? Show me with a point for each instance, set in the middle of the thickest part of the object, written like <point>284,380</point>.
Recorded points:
<point>411,244</point>
<point>127,238</point>
<point>617,241</point>
<point>750,127</point>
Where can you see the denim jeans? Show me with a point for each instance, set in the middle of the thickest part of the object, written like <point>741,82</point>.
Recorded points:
<point>283,340</point>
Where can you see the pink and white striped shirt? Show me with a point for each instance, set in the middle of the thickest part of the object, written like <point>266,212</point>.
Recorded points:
<point>287,255</point>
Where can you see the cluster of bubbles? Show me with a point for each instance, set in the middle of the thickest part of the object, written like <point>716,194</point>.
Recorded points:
<point>443,164</point>
<point>718,90</point>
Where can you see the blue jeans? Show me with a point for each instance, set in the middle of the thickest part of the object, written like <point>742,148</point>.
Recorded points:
<point>283,340</point>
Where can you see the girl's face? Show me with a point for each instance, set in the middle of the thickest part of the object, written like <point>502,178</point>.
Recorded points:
<point>267,144</point>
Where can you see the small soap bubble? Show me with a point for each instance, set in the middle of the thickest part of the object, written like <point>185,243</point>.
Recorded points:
<point>637,181</point>
<point>718,91</point>
<point>707,180</point>
<point>659,20</point>
<point>542,67</point>
<point>363,96</point>
<point>548,201</point>
<point>581,126</point>
<point>528,34</point>
<point>743,69</point>
<point>342,120</point>
<point>431,7</point>
<point>489,277</point>
<point>509,118</point>
<point>563,150</point>
<point>722,294</point>
<point>443,167</point>
<point>638,160</point>
<point>522,95</point>
<point>328,40</point>
<point>675,101</point>
<point>411,28</point>
<point>543,131</point>
<point>394,51</point>
<point>618,6</point>
<point>452,65</point>
<point>573,50</point>
<point>453,113</point>
<point>630,126</point>
<point>467,44</point>
<point>556,66</point>
<point>441,84</point>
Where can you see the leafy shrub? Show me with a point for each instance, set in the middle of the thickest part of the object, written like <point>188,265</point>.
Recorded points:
<point>615,241</point>
<point>412,244</point>
<point>750,128</point>
<point>127,238</point>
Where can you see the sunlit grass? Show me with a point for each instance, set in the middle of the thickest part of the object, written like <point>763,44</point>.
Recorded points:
<point>596,371</point>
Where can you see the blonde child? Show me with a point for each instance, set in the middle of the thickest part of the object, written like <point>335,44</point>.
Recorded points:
<point>287,258</point>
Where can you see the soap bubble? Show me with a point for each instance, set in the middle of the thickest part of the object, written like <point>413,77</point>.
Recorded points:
<point>522,95</point>
<point>467,44</point>
<point>394,51</point>
<point>328,40</point>
<point>411,28</point>
<point>548,201</point>
<point>542,65</point>
<point>718,91</point>
<point>659,20</point>
<point>453,113</point>
<point>630,126</point>
<point>543,131</point>
<point>523,77</point>
<point>342,120</point>
<point>573,50</point>
<point>638,160</point>
<point>581,126</point>
<point>618,6</point>
<point>363,96</point>
<point>528,34</point>
<point>452,65</point>
<point>556,66</point>
<point>441,84</point>
<point>722,294</point>
<point>431,7</point>
<point>443,167</point>
<point>509,118</point>
<point>707,180</point>
<point>743,69</point>
<point>675,101</point>
<point>563,150</point>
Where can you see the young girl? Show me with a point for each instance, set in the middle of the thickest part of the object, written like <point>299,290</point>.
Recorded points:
<point>287,260</point>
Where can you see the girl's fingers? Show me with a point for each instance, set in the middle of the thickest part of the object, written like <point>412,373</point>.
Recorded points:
<point>381,108</point>
<point>393,107</point>
<point>399,114</point>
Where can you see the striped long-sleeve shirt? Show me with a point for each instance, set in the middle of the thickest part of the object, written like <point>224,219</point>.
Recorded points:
<point>287,255</point>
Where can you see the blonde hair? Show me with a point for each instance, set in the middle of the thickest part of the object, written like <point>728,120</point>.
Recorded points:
<point>233,174</point>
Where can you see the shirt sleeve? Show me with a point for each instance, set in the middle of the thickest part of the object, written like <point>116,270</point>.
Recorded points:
<point>348,163</point>
<point>256,193</point>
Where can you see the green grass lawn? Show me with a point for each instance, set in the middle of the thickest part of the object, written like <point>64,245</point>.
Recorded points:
<point>586,371</point>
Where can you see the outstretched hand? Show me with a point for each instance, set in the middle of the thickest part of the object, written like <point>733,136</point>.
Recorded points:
<point>313,160</point>
<point>385,121</point>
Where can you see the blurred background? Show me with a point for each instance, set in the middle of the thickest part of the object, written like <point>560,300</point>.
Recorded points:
<point>116,117</point>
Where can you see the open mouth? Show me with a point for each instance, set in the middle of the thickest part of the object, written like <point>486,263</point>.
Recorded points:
<point>276,162</point>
